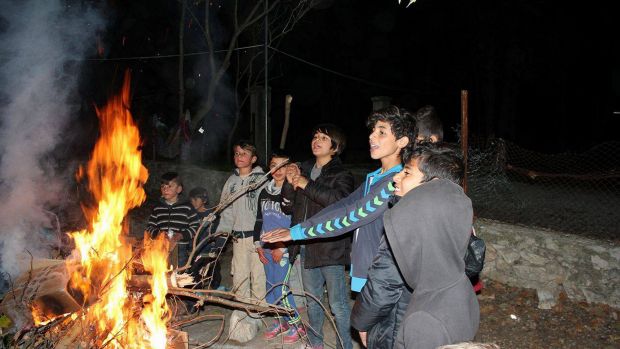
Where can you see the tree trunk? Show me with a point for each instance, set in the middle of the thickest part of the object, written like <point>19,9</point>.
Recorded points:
<point>182,80</point>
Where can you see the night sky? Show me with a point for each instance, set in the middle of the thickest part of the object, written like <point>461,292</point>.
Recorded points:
<point>543,74</point>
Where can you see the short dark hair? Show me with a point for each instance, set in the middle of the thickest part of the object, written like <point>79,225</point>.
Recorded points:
<point>401,121</point>
<point>246,145</point>
<point>171,177</point>
<point>428,123</point>
<point>280,153</point>
<point>339,139</point>
<point>199,193</point>
<point>438,160</point>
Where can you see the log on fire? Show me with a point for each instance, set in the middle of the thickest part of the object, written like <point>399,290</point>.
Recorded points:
<point>40,294</point>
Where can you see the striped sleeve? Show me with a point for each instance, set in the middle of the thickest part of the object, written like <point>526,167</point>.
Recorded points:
<point>347,218</point>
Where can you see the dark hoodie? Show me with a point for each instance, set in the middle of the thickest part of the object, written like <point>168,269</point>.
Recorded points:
<point>428,231</point>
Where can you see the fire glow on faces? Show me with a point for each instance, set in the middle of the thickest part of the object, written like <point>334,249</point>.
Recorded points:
<point>407,179</point>
<point>243,158</point>
<point>170,191</point>
<point>322,145</point>
<point>383,142</point>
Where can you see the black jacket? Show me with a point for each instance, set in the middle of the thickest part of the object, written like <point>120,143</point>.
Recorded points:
<point>334,183</point>
<point>380,306</point>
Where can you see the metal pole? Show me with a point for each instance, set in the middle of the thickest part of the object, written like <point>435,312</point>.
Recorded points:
<point>464,133</point>
<point>266,79</point>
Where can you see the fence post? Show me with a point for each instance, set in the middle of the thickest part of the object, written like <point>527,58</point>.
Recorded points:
<point>464,134</point>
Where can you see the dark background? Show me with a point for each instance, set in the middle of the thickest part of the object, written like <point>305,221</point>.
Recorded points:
<point>542,74</point>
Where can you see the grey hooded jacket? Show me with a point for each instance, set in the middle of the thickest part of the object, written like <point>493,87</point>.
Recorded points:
<point>428,231</point>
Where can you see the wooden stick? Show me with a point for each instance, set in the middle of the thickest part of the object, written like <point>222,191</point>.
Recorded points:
<point>287,114</point>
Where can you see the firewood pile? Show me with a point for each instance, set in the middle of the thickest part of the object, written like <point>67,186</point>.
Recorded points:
<point>43,310</point>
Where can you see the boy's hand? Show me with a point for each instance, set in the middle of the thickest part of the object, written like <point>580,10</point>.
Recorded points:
<point>261,255</point>
<point>292,170</point>
<point>276,235</point>
<point>277,255</point>
<point>300,182</point>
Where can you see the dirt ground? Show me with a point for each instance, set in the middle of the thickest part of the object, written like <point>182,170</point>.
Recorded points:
<point>510,318</point>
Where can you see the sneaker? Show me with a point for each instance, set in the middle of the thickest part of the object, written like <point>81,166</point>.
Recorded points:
<point>293,335</point>
<point>275,330</point>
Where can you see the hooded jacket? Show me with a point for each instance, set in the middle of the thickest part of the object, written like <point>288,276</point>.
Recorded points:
<point>241,214</point>
<point>428,231</point>
<point>269,215</point>
<point>333,184</point>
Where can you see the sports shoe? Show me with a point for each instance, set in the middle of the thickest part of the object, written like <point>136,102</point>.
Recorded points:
<point>275,330</point>
<point>293,335</point>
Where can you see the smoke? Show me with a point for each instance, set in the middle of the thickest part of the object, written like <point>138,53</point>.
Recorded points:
<point>42,47</point>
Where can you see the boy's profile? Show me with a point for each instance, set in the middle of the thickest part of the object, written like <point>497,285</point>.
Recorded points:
<point>173,217</point>
<point>428,231</point>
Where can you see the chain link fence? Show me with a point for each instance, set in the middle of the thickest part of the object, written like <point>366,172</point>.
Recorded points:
<point>568,192</point>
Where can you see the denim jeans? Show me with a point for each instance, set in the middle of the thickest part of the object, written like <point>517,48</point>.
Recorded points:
<point>333,276</point>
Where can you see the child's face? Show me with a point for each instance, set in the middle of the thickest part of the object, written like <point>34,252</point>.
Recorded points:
<point>433,138</point>
<point>197,203</point>
<point>243,158</point>
<point>382,141</point>
<point>407,179</point>
<point>280,174</point>
<point>322,145</point>
<point>170,191</point>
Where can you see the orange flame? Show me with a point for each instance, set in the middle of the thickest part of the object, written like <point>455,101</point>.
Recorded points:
<point>115,178</point>
<point>155,311</point>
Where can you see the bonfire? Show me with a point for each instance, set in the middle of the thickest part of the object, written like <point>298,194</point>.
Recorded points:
<point>110,293</point>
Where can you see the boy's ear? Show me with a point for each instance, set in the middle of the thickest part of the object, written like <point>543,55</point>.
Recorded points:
<point>254,158</point>
<point>402,142</point>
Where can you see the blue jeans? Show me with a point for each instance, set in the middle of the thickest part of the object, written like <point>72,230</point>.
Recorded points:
<point>277,275</point>
<point>333,276</point>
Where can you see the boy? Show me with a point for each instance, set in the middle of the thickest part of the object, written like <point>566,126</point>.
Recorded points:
<point>382,302</point>
<point>275,257</point>
<point>209,252</point>
<point>318,183</point>
<point>430,128</point>
<point>173,217</point>
<point>391,130</point>
<point>239,218</point>
<point>428,231</point>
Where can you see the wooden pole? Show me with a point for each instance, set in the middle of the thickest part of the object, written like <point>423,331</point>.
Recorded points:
<point>287,115</point>
<point>464,132</point>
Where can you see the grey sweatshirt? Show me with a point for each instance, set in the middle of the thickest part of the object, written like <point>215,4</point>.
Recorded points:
<point>428,231</point>
<point>241,214</point>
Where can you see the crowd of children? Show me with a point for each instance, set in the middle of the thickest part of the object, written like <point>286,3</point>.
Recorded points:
<point>402,235</point>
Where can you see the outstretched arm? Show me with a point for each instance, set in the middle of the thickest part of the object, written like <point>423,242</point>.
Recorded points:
<point>338,219</point>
